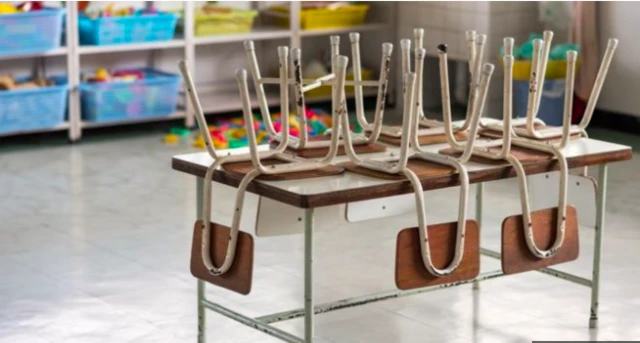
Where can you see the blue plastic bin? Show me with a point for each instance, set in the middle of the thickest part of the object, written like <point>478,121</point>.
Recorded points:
<point>32,109</point>
<point>30,32</point>
<point>551,101</point>
<point>156,95</point>
<point>129,29</point>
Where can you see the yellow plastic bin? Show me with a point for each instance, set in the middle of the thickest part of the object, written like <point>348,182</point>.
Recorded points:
<point>324,18</point>
<point>556,69</point>
<point>222,20</point>
<point>325,91</point>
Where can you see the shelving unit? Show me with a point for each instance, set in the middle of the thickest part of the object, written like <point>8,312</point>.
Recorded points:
<point>261,33</point>
<point>55,52</point>
<point>360,28</point>
<point>99,49</point>
<point>215,99</point>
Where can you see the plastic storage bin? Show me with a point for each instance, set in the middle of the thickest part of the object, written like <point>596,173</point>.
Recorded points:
<point>324,18</point>
<point>156,95</point>
<point>556,69</point>
<point>325,91</point>
<point>32,109</point>
<point>129,29</point>
<point>30,32</point>
<point>551,101</point>
<point>231,21</point>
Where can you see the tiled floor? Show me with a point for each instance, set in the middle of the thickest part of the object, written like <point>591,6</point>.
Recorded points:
<point>95,240</point>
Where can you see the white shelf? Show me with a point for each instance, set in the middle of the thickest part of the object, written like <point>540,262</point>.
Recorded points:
<point>176,115</point>
<point>98,49</point>
<point>61,127</point>
<point>361,28</point>
<point>216,99</point>
<point>54,52</point>
<point>261,33</point>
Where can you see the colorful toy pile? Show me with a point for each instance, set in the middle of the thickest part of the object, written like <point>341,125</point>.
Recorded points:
<point>112,11</point>
<point>102,75</point>
<point>28,6</point>
<point>231,133</point>
<point>228,133</point>
<point>8,82</point>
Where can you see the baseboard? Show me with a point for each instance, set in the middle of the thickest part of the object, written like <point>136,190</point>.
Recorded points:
<point>616,121</point>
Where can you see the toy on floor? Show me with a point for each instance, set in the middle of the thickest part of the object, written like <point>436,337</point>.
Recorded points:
<point>176,134</point>
<point>231,133</point>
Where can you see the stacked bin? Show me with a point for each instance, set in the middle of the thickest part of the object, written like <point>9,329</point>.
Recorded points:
<point>154,95</point>
<point>37,108</point>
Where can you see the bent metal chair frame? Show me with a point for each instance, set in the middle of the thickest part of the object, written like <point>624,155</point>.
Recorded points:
<point>410,147</point>
<point>304,85</point>
<point>536,81</point>
<point>293,164</point>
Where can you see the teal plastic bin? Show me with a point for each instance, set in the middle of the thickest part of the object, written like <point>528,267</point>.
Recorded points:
<point>156,95</point>
<point>33,109</point>
<point>30,32</point>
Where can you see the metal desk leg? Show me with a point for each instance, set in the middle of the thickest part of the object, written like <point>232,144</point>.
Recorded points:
<point>601,198</point>
<point>479,199</point>
<point>308,276</point>
<point>202,337</point>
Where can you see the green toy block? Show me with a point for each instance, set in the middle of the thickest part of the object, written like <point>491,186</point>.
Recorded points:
<point>180,131</point>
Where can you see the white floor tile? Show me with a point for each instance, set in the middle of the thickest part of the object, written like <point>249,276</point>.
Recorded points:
<point>95,244</point>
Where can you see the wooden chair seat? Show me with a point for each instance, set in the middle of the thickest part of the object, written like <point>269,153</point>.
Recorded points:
<point>321,152</point>
<point>422,168</point>
<point>523,155</point>
<point>424,139</point>
<point>240,169</point>
<point>410,271</point>
<point>239,277</point>
<point>490,133</point>
<point>517,258</point>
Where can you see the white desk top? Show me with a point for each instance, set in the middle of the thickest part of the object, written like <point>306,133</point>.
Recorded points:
<point>351,187</point>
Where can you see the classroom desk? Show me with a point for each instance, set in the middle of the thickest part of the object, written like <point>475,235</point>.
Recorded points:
<point>324,197</point>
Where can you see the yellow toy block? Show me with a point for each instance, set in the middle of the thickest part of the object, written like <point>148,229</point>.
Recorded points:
<point>171,139</point>
<point>199,143</point>
<point>261,136</point>
<point>238,133</point>
<point>219,144</point>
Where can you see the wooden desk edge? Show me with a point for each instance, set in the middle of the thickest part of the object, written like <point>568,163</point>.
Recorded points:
<point>399,187</point>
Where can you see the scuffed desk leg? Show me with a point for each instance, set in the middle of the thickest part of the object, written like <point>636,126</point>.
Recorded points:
<point>597,251</point>
<point>308,277</point>
<point>479,199</point>
<point>202,337</point>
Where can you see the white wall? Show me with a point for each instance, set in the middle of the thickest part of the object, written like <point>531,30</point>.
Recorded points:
<point>446,22</point>
<point>622,87</point>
